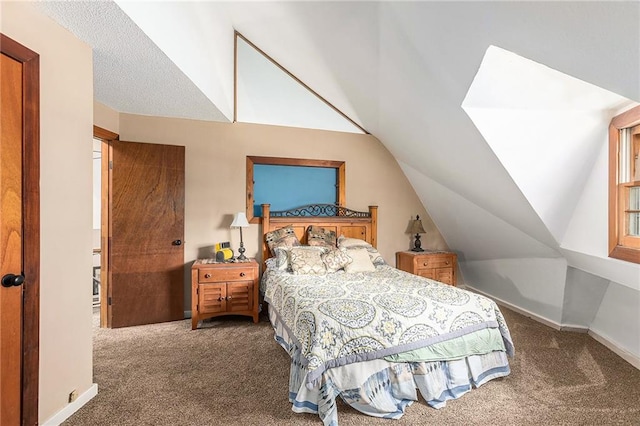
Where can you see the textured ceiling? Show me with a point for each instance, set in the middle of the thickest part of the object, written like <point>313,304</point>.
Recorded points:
<point>131,74</point>
<point>401,70</point>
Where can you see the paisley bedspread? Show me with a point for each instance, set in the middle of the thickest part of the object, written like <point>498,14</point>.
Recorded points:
<point>341,318</point>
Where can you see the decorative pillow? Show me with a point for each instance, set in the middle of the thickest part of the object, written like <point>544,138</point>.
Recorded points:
<point>361,262</point>
<point>271,263</point>
<point>307,260</point>
<point>351,243</point>
<point>283,237</point>
<point>336,259</point>
<point>282,258</point>
<point>318,236</point>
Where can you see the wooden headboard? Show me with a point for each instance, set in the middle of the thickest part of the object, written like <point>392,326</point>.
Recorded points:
<point>350,223</point>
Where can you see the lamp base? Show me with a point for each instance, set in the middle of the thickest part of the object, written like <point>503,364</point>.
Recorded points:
<point>241,251</point>
<point>417,245</point>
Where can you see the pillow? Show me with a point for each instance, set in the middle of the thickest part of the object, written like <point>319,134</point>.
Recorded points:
<point>361,262</point>
<point>271,263</point>
<point>351,243</point>
<point>318,236</point>
<point>344,242</point>
<point>336,259</point>
<point>282,258</point>
<point>283,237</point>
<point>374,255</point>
<point>307,260</point>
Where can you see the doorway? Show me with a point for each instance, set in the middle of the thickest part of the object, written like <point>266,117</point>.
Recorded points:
<point>97,209</point>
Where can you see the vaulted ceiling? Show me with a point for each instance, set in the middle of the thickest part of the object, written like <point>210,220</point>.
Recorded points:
<point>401,70</point>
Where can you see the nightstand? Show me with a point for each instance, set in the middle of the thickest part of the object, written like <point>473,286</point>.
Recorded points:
<point>437,265</point>
<point>223,288</point>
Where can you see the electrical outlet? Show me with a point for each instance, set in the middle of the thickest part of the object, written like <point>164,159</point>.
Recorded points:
<point>73,395</point>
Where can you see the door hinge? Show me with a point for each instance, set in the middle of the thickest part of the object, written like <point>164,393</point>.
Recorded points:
<point>110,164</point>
<point>109,300</point>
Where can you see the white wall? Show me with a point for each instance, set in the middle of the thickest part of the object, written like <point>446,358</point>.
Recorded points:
<point>618,320</point>
<point>268,95</point>
<point>534,285</point>
<point>583,295</point>
<point>66,128</point>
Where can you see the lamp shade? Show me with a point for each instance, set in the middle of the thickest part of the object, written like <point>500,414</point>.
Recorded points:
<point>415,226</point>
<point>240,221</point>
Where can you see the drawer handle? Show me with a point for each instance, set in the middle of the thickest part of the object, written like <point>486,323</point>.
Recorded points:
<point>446,263</point>
<point>425,263</point>
<point>207,275</point>
<point>220,299</point>
<point>228,297</point>
<point>242,274</point>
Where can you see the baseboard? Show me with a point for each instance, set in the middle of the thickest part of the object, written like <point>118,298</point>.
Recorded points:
<point>622,353</point>
<point>613,347</point>
<point>187,314</point>
<point>74,406</point>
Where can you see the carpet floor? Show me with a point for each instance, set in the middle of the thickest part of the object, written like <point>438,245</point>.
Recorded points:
<point>232,372</point>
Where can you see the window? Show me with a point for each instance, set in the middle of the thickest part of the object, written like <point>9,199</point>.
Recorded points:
<point>263,186</point>
<point>624,186</point>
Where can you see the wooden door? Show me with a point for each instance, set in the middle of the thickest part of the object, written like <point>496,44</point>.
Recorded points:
<point>146,228</point>
<point>11,240</point>
<point>19,233</point>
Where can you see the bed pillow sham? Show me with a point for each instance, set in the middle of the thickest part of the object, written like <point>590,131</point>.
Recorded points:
<point>282,237</point>
<point>319,236</point>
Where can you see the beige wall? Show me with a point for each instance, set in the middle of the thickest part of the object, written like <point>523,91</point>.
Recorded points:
<point>66,103</point>
<point>215,178</point>
<point>105,117</point>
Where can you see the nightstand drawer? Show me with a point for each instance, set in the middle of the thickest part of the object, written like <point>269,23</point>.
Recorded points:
<point>226,274</point>
<point>433,262</point>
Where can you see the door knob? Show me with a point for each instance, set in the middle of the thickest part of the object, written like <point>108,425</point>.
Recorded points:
<point>177,242</point>
<point>11,280</point>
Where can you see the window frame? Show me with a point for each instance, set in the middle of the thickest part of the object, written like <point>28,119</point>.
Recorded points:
<point>619,247</point>
<point>280,161</point>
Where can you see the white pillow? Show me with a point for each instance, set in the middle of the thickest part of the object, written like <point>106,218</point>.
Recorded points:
<point>361,262</point>
<point>344,242</point>
<point>352,243</point>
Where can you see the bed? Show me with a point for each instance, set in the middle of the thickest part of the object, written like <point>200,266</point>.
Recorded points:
<point>363,331</point>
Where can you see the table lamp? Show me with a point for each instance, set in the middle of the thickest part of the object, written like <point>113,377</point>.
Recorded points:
<point>240,221</point>
<point>415,227</point>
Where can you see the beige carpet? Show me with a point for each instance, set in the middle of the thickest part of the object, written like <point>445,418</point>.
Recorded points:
<point>232,372</point>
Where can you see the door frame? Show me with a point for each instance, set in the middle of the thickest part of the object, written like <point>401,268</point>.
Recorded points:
<point>106,137</point>
<point>31,224</point>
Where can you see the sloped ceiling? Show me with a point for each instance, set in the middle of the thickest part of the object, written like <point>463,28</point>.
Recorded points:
<point>401,70</point>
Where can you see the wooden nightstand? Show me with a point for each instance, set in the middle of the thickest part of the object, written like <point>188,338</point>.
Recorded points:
<point>437,265</point>
<point>223,289</point>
